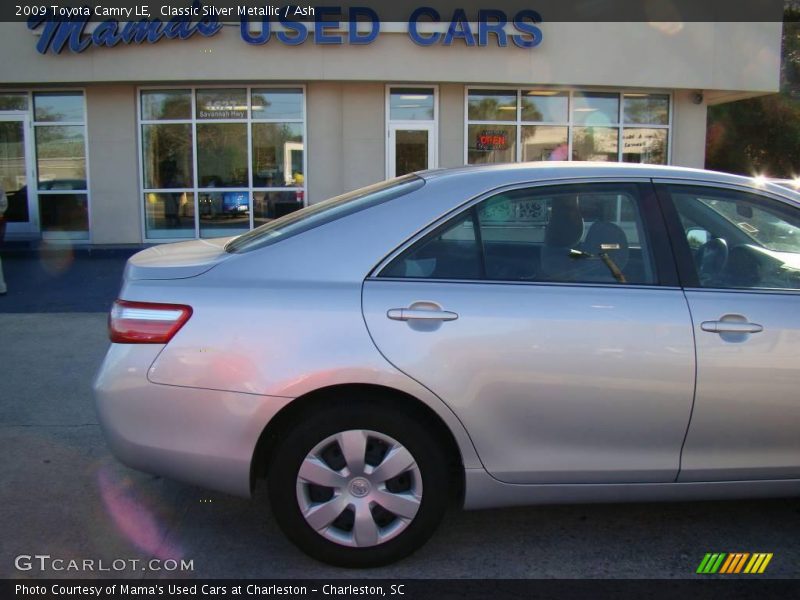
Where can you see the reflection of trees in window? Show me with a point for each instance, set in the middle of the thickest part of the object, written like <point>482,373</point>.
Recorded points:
<point>647,110</point>
<point>531,113</point>
<point>168,156</point>
<point>277,147</point>
<point>222,155</point>
<point>488,108</point>
<point>175,107</point>
<point>60,153</point>
<point>583,143</point>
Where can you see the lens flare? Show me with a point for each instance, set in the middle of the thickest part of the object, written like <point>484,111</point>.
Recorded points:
<point>132,518</point>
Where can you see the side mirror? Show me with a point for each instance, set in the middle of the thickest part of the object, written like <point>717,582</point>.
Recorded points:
<point>697,236</point>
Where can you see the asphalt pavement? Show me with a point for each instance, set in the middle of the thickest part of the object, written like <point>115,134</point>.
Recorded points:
<point>64,495</point>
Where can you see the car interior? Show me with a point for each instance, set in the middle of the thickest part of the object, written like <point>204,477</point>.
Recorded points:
<point>735,244</point>
<point>591,237</point>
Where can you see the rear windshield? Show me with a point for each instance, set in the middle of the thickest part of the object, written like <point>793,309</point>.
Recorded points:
<point>324,212</point>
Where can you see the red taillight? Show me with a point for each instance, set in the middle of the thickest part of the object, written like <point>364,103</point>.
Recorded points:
<point>146,322</point>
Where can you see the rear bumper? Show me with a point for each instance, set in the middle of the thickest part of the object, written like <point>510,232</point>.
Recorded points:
<point>198,436</point>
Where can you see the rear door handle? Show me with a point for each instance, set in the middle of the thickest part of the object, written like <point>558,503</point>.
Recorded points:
<point>405,314</point>
<point>731,327</point>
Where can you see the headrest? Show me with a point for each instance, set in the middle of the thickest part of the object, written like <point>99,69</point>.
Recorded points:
<point>609,238</point>
<point>566,224</point>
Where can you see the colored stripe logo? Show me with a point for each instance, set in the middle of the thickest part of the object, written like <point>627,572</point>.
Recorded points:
<point>734,563</point>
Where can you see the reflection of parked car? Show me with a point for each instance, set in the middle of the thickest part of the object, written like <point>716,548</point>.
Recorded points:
<point>426,338</point>
<point>62,184</point>
<point>235,203</point>
<point>18,200</point>
<point>231,204</point>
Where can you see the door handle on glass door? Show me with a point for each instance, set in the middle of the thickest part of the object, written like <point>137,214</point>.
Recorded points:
<point>731,327</point>
<point>405,314</point>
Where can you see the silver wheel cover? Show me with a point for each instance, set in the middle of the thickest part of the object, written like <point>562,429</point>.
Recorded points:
<point>359,489</point>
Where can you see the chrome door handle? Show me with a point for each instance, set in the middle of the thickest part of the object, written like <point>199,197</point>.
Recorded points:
<point>404,314</point>
<point>731,327</point>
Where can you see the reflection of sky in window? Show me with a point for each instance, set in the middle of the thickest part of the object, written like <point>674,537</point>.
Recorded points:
<point>545,106</point>
<point>277,104</point>
<point>58,107</point>
<point>491,105</point>
<point>595,108</point>
<point>411,105</point>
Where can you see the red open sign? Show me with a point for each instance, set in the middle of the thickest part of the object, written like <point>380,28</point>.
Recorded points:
<point>491,140</point>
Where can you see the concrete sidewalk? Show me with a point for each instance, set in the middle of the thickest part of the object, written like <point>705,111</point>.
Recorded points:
<point>61,278</point>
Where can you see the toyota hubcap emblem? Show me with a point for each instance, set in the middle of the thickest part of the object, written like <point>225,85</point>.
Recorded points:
<point>359,487</point>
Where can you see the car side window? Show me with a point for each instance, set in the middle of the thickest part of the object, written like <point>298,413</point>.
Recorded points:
<point>580,233</point>
<point>449,252</point>
<point>739,239</point>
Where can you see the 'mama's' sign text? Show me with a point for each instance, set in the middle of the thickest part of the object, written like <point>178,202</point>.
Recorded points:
<point>331,25</point>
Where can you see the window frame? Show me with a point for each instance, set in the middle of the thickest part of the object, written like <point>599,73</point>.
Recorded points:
<point>570,123</point>
<point>431,125</point>
<point>194,121</point>
<point>664,267</point>
<point>32,124</point>
<point>687,272</point>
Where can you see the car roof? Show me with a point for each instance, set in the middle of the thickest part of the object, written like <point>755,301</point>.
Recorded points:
<point>522,172</point>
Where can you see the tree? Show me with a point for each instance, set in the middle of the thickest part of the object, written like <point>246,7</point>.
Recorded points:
<point>762,135</point>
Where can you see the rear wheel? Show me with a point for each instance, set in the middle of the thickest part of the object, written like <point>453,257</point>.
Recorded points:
<point>358,486</point>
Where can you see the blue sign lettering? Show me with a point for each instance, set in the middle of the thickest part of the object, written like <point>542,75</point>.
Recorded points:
<point>73,32</point>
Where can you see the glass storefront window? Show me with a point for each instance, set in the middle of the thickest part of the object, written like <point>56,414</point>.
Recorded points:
<point>492,105</point>
<point>277,104</point>
<point>222,104</point>
<point>492,144</point>
<point>227,160</point>
<point>643,145</point>
<point>58,107</point>
<point>166,105</point>
<point>65,213</point>
<point>13,170</point>
<point>61,157</point>
<point>222,155</point>
<point>167,156</point>
<point>411,104</point>
<point>646,109</point>
<point>567,125</point>
<point>43,147</point>
<point>595,108</point>
<point>542,142</point>
<point>14,101</point>
<point>224,213</point>
<point>595,143</point>
<point>169,214</point>
<point>545,106</point>
<point>278,154</point>
<point>268,206</point>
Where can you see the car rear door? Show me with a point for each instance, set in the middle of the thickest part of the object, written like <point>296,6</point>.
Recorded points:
<point>739,257</point>
<point>565,366</point>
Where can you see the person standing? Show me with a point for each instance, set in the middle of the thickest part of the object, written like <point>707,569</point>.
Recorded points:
<point>3,207</point>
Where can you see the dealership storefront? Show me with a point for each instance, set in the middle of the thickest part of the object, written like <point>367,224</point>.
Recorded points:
<point>215,134</point>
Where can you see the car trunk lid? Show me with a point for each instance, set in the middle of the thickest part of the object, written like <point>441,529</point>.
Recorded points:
<point>177,261</point>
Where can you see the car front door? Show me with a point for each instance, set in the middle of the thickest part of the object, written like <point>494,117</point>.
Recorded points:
<point>739,255</point>
<point>550,320</point>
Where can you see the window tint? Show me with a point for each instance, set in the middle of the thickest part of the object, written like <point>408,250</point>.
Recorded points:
<point>589,233</point>
<point>739,240</point>
<point>450,252</point>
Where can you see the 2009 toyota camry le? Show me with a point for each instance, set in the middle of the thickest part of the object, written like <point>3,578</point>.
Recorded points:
<point>490,336</point>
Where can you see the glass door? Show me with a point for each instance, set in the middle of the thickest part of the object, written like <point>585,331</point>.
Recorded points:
<point>16,175</point>
<point>410,148</point>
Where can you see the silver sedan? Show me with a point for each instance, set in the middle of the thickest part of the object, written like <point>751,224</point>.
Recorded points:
<point>481,336</point>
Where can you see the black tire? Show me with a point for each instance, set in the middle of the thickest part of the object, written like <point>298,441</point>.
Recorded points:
<point>314,427</point>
